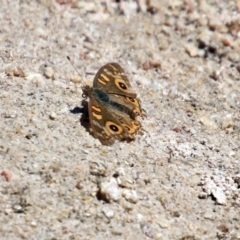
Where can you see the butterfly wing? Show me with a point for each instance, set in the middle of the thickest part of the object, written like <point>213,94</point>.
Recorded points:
<point>113,105</point>
<point>112,80</point>
<point>129,102</point>
<point>109,124</point>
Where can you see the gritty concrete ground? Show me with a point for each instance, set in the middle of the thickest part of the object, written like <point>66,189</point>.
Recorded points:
<point>180,178</point>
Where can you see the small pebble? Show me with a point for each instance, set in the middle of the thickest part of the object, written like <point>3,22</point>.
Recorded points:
<point>108,212</point>
<point>216,74</point>
<point>130,195</point>
<point>202,21</point>
<point>98,168</point>
<point>149,64</point>
<point>219,195</point>
<point>163,44</point>
<point>227,122</point>
<point>76,79</point>
<point>204,37</point>
<point>208,122</point>
<point>18,72</point>
<point>125,181</point>
<point>163,222</point>
<point>208,215</point>
<point>7,175</point>
<point>9,115</point>
<point>41,32</point>
<point>234,57</point>
<point>37,79</point>
<point>53,116</point>
<point>9,71</point>
<point>117,230</point>
<point>147,230</point>
<point>8,211</point>
<point>49,73</point>
<point>214,23</point>
<point>33,223</point>
<point>109,190</point>
<point>191,50</point>
<point>202,195</point>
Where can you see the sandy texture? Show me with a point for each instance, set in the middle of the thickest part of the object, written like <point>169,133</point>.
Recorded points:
<point>180,179</point>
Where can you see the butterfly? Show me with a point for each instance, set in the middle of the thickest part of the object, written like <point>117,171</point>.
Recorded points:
<point>113,106</point>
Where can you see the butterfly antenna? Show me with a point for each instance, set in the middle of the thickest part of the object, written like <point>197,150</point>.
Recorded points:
<point>69,59</point>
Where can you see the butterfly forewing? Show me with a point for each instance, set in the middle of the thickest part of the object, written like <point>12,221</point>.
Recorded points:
<point>112,78</point>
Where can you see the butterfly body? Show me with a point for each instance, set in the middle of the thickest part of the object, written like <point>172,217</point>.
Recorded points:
<point>112,107</point>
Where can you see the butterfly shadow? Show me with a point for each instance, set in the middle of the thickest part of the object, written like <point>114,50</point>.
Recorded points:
<point>84,120</point>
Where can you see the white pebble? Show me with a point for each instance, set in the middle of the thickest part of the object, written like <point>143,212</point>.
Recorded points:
<point>108,212</point>
<point>109,190</point>
<point>53,116</point>
<point>49,73</point>
<point>130,195</point>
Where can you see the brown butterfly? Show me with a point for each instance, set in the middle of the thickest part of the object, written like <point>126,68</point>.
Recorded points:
<point>113,106</point>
